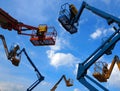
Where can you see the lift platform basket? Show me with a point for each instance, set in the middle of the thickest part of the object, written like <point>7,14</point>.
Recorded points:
<point>66,24</point>
<point>36,41</point>
<point>98,71</point>
<point>100,77</point>
<point>64,19</point>
<point>48,38</point>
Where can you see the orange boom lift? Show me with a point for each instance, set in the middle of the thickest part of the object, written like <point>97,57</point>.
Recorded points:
<point>102,74</point>
<point>68,83</point>
<point>40,36</point>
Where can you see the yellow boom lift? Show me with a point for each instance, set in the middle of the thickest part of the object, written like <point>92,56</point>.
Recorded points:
<point>104,74</point>
<point>68,82</point>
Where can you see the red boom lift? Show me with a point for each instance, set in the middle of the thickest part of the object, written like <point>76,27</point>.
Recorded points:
<point>39,36</point>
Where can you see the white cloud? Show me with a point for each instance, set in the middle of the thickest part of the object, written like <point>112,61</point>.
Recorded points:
<point>76,69</point>
<point>111,29</point>
<point>38,10</point>
<point>114,80</point>
<point>61,59</point>
<point>106,1</point>
<point>58,58</point>
<point>58,44</point>
<point>76,89</point>
<point>8,86</point>
<point>2,53</point>
<point>105,31</point>
<point>47,84</point>
<point>101,32</point>
<point>82,21</point>
<point>96,34</point>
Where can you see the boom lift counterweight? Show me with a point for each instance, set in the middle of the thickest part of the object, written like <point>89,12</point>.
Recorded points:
<point>40,77</point>
<point>68,83</point>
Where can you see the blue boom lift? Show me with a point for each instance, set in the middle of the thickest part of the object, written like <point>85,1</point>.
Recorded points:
<point>68,18</point>
<point>40,77</point>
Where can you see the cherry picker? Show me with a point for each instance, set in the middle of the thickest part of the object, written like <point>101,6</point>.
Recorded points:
<point>69,17</point>
<point>68,83</point>
<point>40,36</point>
<point>11,55</point>
<point>40,77</point>
<point>14,55</point>
<point>102,72</point>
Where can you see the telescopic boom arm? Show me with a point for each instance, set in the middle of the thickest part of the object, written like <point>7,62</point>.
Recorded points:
<point>69,17</point>
<point>110,18</point>
<point>4,44</point>
<point>83,67</point>
<point>105,48</point>
<point>40,36</point>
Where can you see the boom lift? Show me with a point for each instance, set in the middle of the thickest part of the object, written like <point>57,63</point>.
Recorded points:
<point>40,36</point>
<point>106,48</point>
<point>11,55</point>
<point>15,57</point>
<point>103,75</point>
<point>40,77</point>
<point>69,16</point>
<point>68,83</point>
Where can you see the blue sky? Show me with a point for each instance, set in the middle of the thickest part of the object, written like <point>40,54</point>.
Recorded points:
<point>54,61</point>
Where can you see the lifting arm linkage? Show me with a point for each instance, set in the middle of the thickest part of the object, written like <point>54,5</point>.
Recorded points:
<point>40,77</point>
<point>5,45</point>
<point>12,54</point>
<point>110,18</point>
